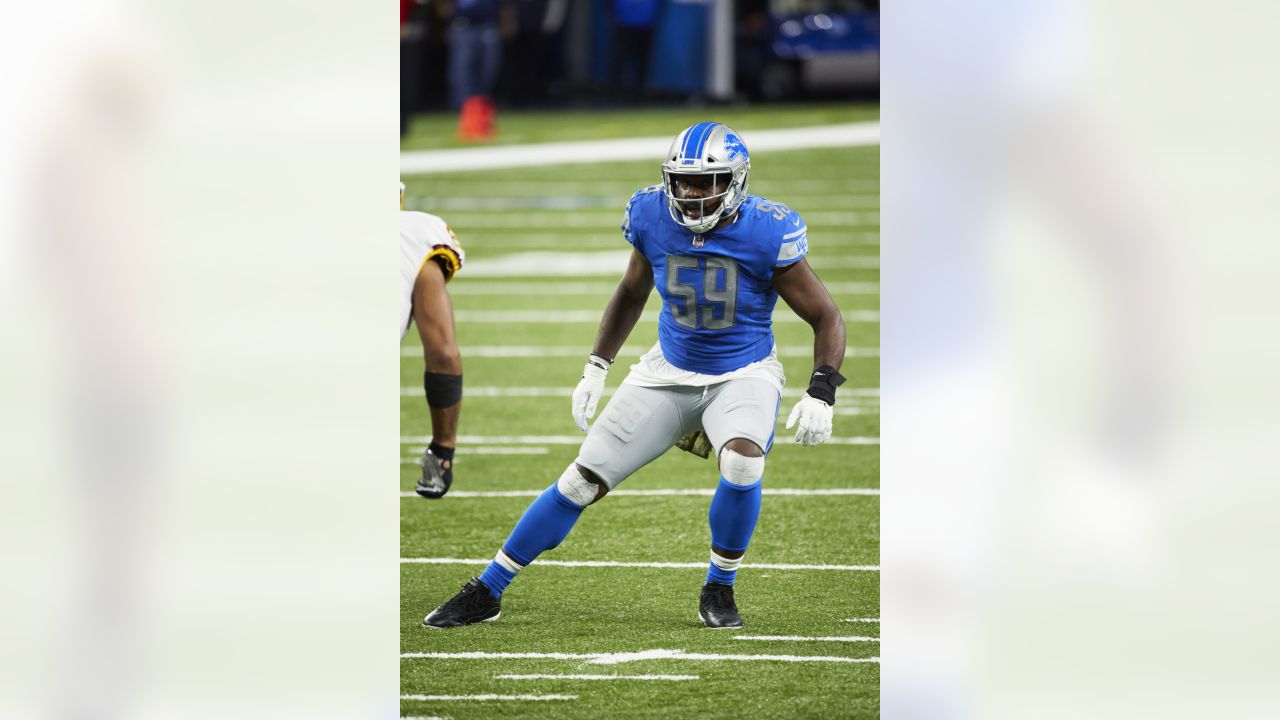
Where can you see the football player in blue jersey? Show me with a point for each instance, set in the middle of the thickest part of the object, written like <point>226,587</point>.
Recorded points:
<point>720,258</point>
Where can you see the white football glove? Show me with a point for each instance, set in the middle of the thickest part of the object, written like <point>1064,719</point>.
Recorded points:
<point>589,391</point>
<point>814,417</point>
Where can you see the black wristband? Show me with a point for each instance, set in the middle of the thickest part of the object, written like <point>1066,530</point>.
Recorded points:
<point>595,359</point>
<point>442,452</point>
<point>442,390</point>
<point>823,384</point>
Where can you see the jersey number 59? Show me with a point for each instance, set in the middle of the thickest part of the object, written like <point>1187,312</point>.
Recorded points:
<point>718,304</point>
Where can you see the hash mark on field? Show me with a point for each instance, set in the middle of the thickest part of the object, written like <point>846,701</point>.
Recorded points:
<point>619,564</point>
<point>802,638</point>
<point>701,492</point>
<point>621,657</point>
<point>866,620</point>
<point>596,677</point>
<point>488,697</point>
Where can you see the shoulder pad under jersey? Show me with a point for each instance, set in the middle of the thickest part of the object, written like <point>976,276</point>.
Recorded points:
<point>782,226</point>
<point>436,234</point>
<point>633,217</point>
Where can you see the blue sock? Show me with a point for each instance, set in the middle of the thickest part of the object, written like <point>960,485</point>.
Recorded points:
<point>543,526</point>
<point>733,515</point>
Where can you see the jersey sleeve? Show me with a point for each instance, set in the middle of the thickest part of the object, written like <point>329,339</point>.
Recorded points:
<point>794,241</point>
<point>633,224</point>
<point>442,244</point>
<point>449,251</point>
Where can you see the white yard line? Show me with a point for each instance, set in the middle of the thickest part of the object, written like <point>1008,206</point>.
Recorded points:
<point>602,200</point>
<point>863,620</point>
<point>467,221</point>
<point>610,238</point>
<point>496,242</point>
<point>659,565</point>
<point>487,698</point>
<point>502,391</point>
<point>610,263</point>
<point>625,185</point>
<point>802,638</point>
<point>697,492</point>
<point>856,262</point>
<point>527,450</point>
<point>544,391</point>
<point>492,450</point>
<point>559,317</point>
<point>634,351</point>
<point>603,289</point>
<point>849,410</point>
<point>621,657</point>
<point>596,677</point>
<point>577,440</point>
<point>550,264</point>
<point>421,162</point>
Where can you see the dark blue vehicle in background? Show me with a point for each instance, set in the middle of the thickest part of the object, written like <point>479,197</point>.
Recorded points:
<point>789,49</point>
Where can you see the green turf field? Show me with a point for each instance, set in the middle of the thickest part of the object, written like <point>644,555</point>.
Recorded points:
<point>527,316</point>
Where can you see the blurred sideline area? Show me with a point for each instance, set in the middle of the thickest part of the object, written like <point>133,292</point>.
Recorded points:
<point>1078,348</point>
<point>195,366</point>
<point>477,59</point>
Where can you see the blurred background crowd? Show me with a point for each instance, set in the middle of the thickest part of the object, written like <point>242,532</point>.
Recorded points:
<point>472,56</point>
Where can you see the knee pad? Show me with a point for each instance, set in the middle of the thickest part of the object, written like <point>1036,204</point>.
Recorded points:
<point>740,469</point>
<point>575,488</point>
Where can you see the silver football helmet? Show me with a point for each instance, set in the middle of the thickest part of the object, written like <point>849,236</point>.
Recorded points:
<point>707,148</point>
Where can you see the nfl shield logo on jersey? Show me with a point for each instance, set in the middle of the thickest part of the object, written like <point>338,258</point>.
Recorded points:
<point>698,241</point>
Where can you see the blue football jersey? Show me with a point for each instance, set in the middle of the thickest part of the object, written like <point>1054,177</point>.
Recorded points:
<point>716,288</point>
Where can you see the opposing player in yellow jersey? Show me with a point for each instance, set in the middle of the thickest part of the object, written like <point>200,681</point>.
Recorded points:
<point>429,256</point>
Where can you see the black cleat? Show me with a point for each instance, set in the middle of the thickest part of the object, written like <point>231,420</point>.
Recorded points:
<point>473,604</point>
<point>716,607</point>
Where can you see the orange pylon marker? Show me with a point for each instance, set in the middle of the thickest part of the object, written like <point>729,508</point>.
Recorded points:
<point>476,121</point>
